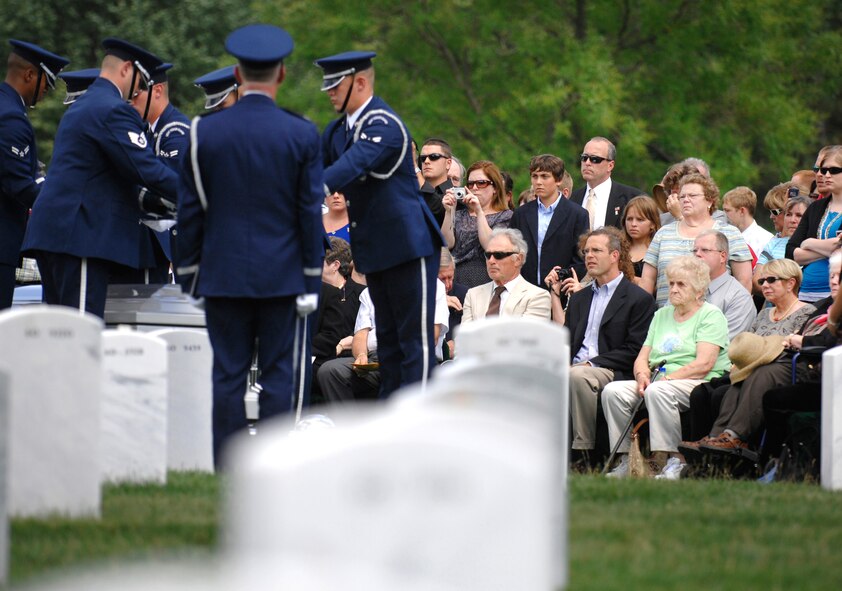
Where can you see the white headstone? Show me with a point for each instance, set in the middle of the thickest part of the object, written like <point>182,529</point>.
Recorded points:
<point>52,358</point>
<point>189,399</point>
<point>430,498</point>
<point>536,342</point>
<point>511,390</point>
<point>831,468</point>
<point>134,407</point>
<point>4,520</point>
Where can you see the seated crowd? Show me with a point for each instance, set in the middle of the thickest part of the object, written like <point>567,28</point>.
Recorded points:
<point>680,299</point>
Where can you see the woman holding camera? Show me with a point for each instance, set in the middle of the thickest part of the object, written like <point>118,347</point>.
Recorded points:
<point>467,230</point>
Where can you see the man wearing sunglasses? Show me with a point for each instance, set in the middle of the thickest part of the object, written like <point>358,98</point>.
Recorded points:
<point>84,225</point>
<point>30,71</point>
<point>508,293</point>
<point>434,161</point>
<point>603,198</point>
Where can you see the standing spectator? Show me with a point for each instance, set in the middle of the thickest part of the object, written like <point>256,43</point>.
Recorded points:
<point>666,192</point>
<point>790,214</point>
<point>251,237</point>
<point>456,172</point>
<point>434,161</point>
<point>30,71</point>
<point>601,197</point>
<point>640,223</point>
<point>698,196</point>
<point>775,201</point>
<point>739,205</point>
<point>396,239</point>
<point>818,233</point>
<point>467,230</point>
<point>335,220</point>
<point>550,224</point>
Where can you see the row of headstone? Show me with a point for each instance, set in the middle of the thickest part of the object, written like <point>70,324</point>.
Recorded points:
<point>458,487</point>
<point>87,406</point>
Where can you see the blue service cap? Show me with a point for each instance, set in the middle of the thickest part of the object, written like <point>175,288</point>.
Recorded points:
<point>145,61</point>
<point>159,74</point>
<point>336,67</point>
<point>259,45</point>
<point>49,63</point>
<point>217,85</point>
<point>77,82</point>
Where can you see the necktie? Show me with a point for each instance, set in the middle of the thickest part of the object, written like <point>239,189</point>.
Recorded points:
<point>494,305</point>
<point>591,207</point>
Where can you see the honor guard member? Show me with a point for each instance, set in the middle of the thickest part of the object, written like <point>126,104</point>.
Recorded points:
<point>394,237</point>
<point>250,238</point>
<point>168,132</point>
<point>220,87</point>
<point>30,71</point>
<point>77,83</point>
<point>84,225</point>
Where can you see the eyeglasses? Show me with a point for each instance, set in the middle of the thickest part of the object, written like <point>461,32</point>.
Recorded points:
<point>769,280</point>
<point>691,195</point>
<point>827,169</point>
<point>434,156</point>
<point>498,256</point>
<point>706,250</point>
<point>776,212</point>
<point>479,183</point>
<point>593,159</point>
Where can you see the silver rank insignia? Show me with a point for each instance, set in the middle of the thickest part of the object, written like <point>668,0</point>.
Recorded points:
<point>138,139</point>
<point>20,152</point>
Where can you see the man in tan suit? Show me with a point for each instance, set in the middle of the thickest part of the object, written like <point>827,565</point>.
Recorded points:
<point>507,294</point>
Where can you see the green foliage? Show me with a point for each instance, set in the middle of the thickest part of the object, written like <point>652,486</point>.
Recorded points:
<point>750,87</point>
<point>189,33</point>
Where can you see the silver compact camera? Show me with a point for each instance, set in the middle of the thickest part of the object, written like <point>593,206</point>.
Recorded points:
<point>459,193</point>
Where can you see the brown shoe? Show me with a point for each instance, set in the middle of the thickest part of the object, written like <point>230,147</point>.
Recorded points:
<point>724,443</point>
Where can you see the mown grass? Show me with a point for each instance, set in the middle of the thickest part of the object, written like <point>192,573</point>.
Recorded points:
<point>692,534</point>
<point>136,520</point>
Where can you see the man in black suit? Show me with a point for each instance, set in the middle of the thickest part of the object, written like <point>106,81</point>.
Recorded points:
<point>601,197</point>
<point>608,321</point>
<point>551,225</point>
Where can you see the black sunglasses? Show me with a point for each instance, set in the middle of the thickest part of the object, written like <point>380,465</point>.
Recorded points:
<point>435,156</point>
<point>479,184</point>
<point>827,169</point>
<point>776,211</point>
<point>593,159</point>
<point>499,256</point>
<point>769,280</point>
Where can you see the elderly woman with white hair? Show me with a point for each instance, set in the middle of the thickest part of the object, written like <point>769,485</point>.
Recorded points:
<point>690,338</point>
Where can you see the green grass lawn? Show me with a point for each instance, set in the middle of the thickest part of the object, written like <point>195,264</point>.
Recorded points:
<point>692,534</point>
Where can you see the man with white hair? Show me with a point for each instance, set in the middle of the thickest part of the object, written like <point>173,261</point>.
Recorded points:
<point>508,293</point>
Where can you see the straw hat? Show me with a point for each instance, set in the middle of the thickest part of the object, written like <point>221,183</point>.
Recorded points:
<point>749,351</point>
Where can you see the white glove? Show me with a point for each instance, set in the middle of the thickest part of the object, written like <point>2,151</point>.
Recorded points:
<point>159,225</point>
<point>306,303</point>
<point>196,302</point>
